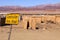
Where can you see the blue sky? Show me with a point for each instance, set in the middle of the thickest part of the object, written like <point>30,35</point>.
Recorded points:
<point>26,2</point>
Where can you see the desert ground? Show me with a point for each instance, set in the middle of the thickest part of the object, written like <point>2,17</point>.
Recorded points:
<point>51,33</point>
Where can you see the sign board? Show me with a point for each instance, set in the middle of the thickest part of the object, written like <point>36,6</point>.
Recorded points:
<point>12,19</point>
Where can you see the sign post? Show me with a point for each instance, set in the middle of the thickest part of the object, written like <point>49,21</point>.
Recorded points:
<point>11,19</point>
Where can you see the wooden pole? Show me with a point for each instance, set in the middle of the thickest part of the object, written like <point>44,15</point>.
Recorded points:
<point>55,18</point>
<point>9,36</point>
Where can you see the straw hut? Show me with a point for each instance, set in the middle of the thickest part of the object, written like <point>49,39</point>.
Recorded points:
<point>29,19</point>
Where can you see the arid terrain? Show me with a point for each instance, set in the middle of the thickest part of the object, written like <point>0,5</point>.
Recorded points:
<point>51,33</point>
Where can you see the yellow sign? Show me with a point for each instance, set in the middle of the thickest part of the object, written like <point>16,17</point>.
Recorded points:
<point>12,18</point>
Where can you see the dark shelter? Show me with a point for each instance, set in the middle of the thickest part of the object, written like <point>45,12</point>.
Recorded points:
<point>2,22</point>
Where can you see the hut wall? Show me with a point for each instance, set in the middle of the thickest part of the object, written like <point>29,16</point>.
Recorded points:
<point>58,19</point>
<point>50,18</point>
<point>32,21</point>
<point>25,20</point>
<point>35,21</point>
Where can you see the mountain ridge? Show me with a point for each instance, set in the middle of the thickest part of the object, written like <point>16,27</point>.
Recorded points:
<point>38,7</point>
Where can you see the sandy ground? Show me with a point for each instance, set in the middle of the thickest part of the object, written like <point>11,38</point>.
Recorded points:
<point>21,34</point>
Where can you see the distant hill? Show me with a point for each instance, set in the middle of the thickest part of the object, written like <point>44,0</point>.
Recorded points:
<point>38,7</point>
